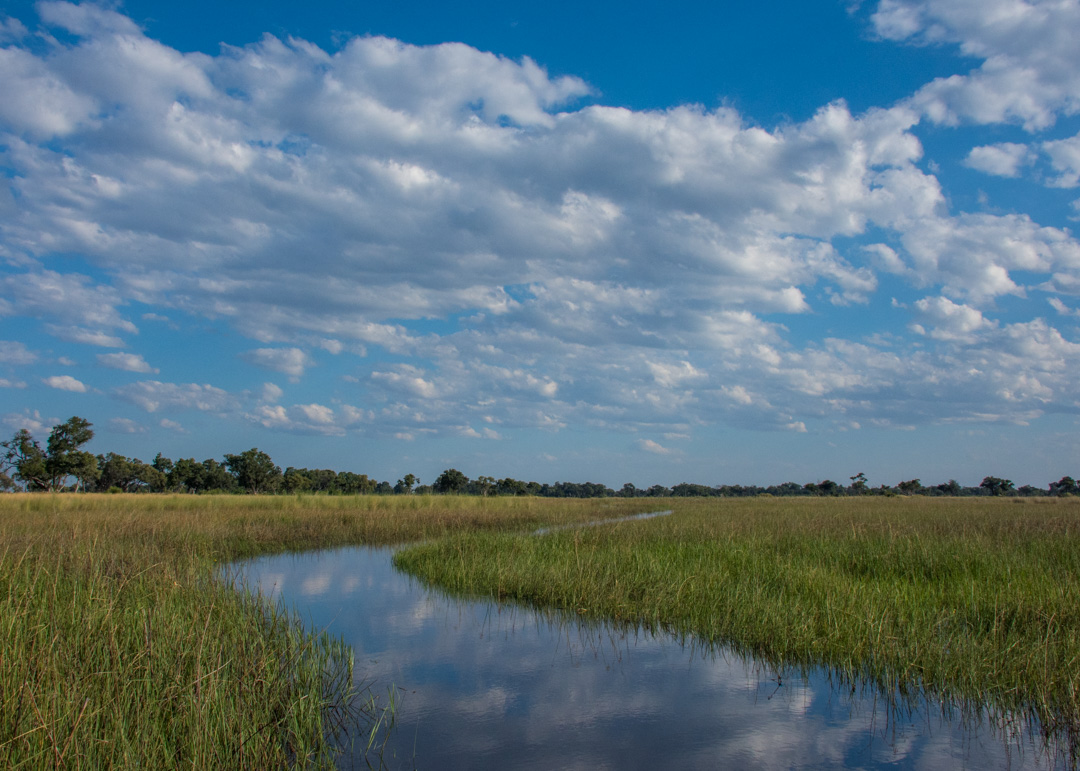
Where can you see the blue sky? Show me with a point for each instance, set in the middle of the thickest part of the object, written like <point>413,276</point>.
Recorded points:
<point>719,243</point>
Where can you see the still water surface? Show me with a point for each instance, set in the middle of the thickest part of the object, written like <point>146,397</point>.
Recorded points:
<point>481,685</point>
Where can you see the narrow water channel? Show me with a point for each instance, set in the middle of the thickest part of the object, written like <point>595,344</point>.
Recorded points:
<point>480,685</point>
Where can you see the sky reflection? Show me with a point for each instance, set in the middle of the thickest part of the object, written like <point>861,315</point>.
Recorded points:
<point>481,685</point>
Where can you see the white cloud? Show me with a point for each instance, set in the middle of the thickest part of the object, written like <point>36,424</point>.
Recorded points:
<point>300,418</point>
<point>126,426</point>
<point>129,362</point>
<point>85,336</point>
<point>671,375</point>
<point>12,30</point>
<point>16,353</point>
<point>1002,160</point>
<point>1062,308</point>
<point>172,425</point>
<point>65,383</point>
<point>1031,67</point>
<point>153,395</point>
<point>525,262</point>
<point>31,421</point>
<point>65,298</point>
<point>288,361</point>
<point>271,393</point>
<point>8,383</point>
<point>407,379</point>
<point>648,445</point>
<point>1065,159</point>
<point>950,321</point>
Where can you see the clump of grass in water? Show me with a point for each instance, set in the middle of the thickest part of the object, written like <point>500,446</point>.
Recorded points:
<point>974,601</point>
<point>118,647</point>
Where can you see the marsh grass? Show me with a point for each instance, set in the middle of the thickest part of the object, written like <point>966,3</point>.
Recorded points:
<point>120,649</point>
<point>974,601</point>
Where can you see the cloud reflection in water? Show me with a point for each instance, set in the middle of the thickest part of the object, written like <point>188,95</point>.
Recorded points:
<point>484,685</point>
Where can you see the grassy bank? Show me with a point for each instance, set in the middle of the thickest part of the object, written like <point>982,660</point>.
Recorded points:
<point>974,600</point>
<point>119,650</point>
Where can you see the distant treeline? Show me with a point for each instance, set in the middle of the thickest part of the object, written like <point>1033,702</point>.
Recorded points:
<point>64,465</point>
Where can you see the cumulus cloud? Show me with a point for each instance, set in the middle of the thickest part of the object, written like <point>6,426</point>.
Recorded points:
<point>288,361</point>
<point>1065,159</point>
<point>950,321</point>
<point>32,421</point>
<point>129,362</point>
<point>318,419</point>
<point>154,395</point>
<point>517,259</point>
<point>648,445</point>
<point>70,299</point>
<point>65,383</point>
<point>126,426</point>
<point>16,353</point>
<point>1031,67</point>
<point>1002,160</point>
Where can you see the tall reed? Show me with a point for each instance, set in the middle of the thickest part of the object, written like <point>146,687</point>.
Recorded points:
<point>976,601</point>
<point>120,649</point>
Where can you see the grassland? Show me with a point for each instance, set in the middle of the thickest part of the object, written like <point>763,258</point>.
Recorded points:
<point>119,649</point>
<point>973,600</point>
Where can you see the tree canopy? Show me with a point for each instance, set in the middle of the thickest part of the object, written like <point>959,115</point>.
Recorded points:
<point>64,465</point>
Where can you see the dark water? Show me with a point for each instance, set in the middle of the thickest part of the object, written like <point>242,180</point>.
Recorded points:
<point>478,685</point>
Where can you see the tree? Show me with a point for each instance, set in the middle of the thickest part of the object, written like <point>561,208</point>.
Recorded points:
<point>65,459</point>
<point>858,484</point>
<point>115,471</point>
<point>451,481</point>
<point>1064,486</point>
<point>214,476</point>
<point>952,487</point>
<point>484,485</point>
<point>162,464</point>
<point>996,485</point>
<point>295,480</point>
<point>128,474</point>
<point>185,476</point>
<point>24,456</point>
<point>350,483</point>
<point>254,471</point>
<point>910,487</point>
<point>511,486</point>
<point>404,485</point>
<point>829,487</point>
<point>50,469</point>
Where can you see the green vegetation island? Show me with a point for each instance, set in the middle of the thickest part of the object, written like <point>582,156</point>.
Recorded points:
<point>121,645</point>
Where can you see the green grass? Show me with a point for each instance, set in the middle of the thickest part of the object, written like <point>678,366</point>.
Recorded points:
<point>120,649</point>
<point>976,601</point>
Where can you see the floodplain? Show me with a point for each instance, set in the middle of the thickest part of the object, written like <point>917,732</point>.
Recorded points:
<point>975,602</point>
<point>121,648</point>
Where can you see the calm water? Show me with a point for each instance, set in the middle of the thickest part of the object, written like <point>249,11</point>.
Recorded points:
<point>481,685</point>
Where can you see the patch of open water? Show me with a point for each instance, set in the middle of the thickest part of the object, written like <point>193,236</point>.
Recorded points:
<point>484,685</point>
